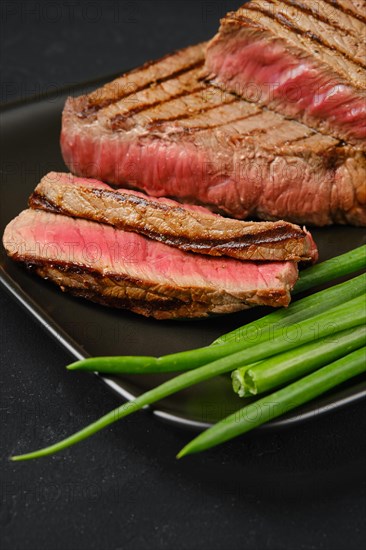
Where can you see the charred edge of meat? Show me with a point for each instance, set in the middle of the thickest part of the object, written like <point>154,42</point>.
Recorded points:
<point>36,265</point>
<point>163,303</point>
<point>148,308</point>
<point>68,267</point>
<point>186,243</point>
<point>159,308</point>
<point>269,236</point>
<point>39,201</point>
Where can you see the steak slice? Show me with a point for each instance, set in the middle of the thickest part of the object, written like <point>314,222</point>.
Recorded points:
<point>127,270</point>
<point>176,136</point>
<point>191,228</point>
<point>306,60</point>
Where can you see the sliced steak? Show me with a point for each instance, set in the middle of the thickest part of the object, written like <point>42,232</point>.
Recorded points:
<point>306,60</point>
<point>175,136</point>
<point>191,228</point>
<point>127,270</point>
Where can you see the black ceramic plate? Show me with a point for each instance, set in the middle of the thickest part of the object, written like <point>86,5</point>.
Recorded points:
<point>30,148</point>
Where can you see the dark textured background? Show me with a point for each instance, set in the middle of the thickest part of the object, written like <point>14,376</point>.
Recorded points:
<point>301,488</point>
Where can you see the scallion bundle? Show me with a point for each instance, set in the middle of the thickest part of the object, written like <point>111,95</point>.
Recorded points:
<point>322,334</point>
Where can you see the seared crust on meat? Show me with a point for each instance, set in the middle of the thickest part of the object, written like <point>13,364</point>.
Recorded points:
<point>126,270</point>
<point>306,60</point>
<point>188,228</point>
<point>176,136</point>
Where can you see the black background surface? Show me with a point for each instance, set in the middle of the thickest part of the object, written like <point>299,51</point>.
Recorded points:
<point>300,488</point>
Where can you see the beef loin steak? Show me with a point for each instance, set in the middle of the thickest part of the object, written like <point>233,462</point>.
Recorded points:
<point>191,228</point>
<point>306,60</point>
<point>162,129</point>
<point>127,270</point>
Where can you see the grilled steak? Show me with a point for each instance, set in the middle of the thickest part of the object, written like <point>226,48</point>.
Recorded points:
<point>190,228</point>
<point>163,130</point>
<point>306,60</point>
<point>127,270</point>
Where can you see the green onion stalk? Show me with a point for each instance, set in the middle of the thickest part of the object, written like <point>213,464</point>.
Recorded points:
<point>342,317</point>
<point>280,402</point>
<point>295,363</point>
<point>253,334</point>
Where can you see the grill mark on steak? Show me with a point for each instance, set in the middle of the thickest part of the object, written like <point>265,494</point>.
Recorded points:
<point>193,112</point>
<point>198,129</point>
<point>236,102</point>
<point>123,122</point>
<point>312,84</point>
<point>33,264</point>
<point>266,236</point>
<point>157,306</point>
<point>331,59</point>
<point>169,222</point>
<point>95,107</point>
<point>154,308</point>
<point>287,23</point>
<point>308,9</point>
<point>296,139</point>
<point>157,95</point>
<point>188,115</point>
<point>119,120</point>
<point>285,141</point>
<point>273,236</point>
<point>133,304</point>
<point>244,133</point>
<point>187,88</point>
<point>315,179</point>
<point>39,200</point>
<point>346,11</point>
<point>194,105</point>
<point>258,131</point>
<point>309,133</point>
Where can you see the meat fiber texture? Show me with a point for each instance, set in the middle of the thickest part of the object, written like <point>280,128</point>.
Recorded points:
<point>164,130</point>
<point>190,228</point>
<point>127,270</point>
<point>306,60</point>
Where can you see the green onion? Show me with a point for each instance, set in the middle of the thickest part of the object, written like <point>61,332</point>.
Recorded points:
<point>298,311</point>
<point>280,402</point>
<point>245,337</point>
<point>342,317</point>
<point>281,369</point>
<point>341,265</point>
